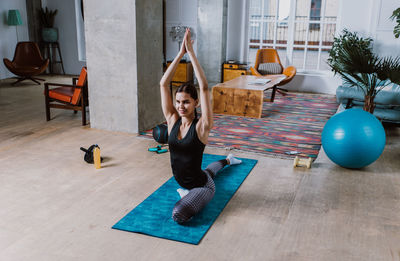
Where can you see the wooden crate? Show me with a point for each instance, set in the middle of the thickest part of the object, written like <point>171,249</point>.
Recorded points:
<point>232,70</point>
<point>230,74</point>
<point>184,72</point>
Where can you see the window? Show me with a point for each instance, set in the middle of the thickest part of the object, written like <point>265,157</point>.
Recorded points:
<point>301,30</point>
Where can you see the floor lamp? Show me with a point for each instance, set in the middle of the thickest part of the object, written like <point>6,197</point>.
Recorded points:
<point>14,18</point>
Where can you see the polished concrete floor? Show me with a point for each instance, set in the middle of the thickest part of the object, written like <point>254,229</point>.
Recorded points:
<point>54,206</point>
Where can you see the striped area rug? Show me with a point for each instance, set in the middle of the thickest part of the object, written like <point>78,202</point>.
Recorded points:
<point>290,126</point>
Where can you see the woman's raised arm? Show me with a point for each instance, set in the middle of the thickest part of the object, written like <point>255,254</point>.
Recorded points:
<point>206,119</point>
<point>170,113</point>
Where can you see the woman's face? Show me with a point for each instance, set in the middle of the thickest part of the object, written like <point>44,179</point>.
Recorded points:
<point>185,104</point>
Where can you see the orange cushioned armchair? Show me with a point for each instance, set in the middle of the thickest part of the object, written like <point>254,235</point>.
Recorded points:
<point>71,97</point>
<point>27,62</point>
<point>268,62</point>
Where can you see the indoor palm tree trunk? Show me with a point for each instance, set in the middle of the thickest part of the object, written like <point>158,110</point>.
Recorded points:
<point>369,105</point>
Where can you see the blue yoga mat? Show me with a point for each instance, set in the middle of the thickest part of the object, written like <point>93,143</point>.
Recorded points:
<point>153,216</point>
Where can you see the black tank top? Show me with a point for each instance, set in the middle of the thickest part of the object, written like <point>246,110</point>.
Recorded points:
<point>186,156</point>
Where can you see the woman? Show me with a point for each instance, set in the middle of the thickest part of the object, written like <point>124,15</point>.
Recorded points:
<point>188,136</point>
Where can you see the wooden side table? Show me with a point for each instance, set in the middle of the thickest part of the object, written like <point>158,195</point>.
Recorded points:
<point>242,97</point>
<point>232,70</point>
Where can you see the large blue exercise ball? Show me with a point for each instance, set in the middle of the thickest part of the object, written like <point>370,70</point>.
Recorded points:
<point>353,138</point>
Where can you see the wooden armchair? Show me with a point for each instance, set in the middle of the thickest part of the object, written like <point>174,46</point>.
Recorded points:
<point>269,59</point>
<point>70,97</point>
<point>27,62</point>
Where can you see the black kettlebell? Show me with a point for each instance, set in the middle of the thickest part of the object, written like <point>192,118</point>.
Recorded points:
<point>160,133</point>
<point>89,153</point>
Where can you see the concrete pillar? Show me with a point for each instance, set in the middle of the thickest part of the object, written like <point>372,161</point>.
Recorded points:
<point>124,59</point>
<point>211,39</point>
<point>149,47</point>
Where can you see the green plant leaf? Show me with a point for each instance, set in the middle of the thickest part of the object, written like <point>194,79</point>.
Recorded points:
<point>396,16</point>
<point>47,16</point>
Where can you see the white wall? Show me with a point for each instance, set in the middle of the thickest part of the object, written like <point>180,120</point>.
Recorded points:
<point>66,23</point>
<point>8,35</point>
<point>179,12</point>
<point>355,15</point>
<point>382,28</point>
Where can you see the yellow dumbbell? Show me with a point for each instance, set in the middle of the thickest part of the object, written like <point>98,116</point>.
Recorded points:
<point>298,162</point>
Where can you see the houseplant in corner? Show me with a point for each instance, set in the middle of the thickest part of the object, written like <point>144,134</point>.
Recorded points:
<point>352,58</point>
<point>49,33</point>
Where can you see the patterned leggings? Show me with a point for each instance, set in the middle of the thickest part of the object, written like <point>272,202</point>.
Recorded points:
<point>198,197</point>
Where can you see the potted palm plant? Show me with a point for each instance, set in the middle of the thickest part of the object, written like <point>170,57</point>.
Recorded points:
<point>49,33</point>
<point>352,58</point>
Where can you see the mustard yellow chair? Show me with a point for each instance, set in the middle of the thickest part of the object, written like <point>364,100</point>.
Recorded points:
<point>268,62</point>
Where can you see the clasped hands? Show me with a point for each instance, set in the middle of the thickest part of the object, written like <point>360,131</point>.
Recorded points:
<point>187,44</point>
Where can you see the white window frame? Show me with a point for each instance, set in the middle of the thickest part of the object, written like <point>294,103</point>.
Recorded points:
<point>291,25</point>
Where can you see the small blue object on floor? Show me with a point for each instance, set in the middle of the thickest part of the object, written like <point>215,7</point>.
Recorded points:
<point>153,216</point>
